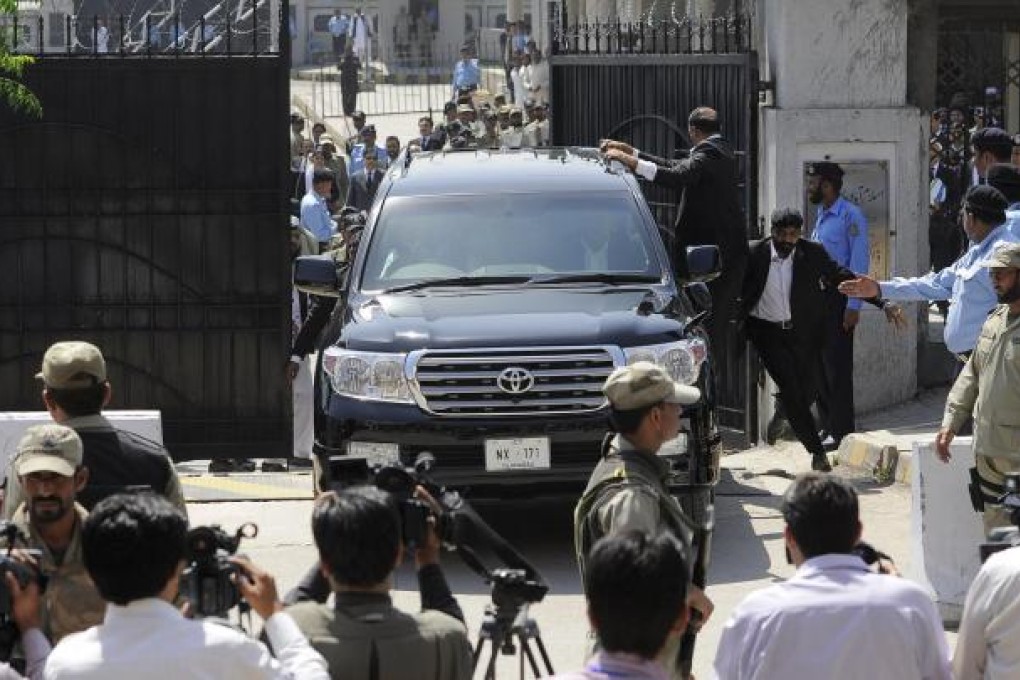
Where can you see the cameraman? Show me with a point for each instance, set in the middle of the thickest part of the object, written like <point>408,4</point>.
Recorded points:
<point>134,546</point>
<point>26,613</point>
<point>835,618</point>
<point>358,534</point>
<point>48,464</point>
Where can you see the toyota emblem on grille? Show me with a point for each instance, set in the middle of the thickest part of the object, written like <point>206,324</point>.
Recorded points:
<point>515,380</point>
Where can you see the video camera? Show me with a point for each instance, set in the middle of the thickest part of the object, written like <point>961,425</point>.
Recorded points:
<point>207,581</point>
<point>458,525</point>
<point>24,573</point>
<point>1000,538</point>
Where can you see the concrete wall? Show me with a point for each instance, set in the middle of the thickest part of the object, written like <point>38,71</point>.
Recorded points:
<point>840,73</point>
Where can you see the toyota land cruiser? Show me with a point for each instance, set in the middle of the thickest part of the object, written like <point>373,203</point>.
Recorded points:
<point>492,294</point>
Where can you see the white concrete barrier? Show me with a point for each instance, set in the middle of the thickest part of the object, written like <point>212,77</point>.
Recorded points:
<point>13,424</point>
<point>945,529</point>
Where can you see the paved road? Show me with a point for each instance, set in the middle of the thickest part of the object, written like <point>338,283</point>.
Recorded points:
<point>748,550</point>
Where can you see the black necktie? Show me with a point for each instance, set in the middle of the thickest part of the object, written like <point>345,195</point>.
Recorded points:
<point>368,183</point>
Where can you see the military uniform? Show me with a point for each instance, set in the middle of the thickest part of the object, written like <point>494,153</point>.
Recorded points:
<point>989,387</point>
<point>627,490</point>
<point>364,636</point>
<point>71,602</point>
<point>117,460</point>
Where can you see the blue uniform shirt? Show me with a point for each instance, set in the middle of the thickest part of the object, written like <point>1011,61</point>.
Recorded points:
<point>843,231</point>
<point>338,26</point>
<point>466,74</point>
<point>315,216</point>
<point>382,161</point>
<point>1013,220</point>
<point>967,286</point>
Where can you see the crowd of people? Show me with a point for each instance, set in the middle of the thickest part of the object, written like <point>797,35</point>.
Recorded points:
<point>101,522</point>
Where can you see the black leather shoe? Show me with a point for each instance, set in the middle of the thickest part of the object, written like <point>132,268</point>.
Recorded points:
<point>820,463</point>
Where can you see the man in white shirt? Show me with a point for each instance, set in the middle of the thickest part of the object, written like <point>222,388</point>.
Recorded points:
<point>134,548</point>
<point>988,646</point>
<point>835,618</point>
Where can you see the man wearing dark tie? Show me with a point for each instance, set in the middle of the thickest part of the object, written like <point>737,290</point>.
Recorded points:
<point>789,289</point>
<point>428,140</point>
<point>365,182</point>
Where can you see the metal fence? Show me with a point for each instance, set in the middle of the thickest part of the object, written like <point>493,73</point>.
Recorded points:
<point>146,212</point>
<point>729,34</point>
<point>243,27</point>
<point>637,82</point>
<point>396,82</point>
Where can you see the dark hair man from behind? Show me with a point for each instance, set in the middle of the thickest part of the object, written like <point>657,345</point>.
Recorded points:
<point>836,617</point>
<point>76,389</point>
<point>636,588</point>
<point>704,120</point>
<point>134,549</point>
<point>822,515</point>
<point>362,635</point>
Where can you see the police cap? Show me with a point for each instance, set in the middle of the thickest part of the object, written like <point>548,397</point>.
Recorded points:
<point>825,170</point>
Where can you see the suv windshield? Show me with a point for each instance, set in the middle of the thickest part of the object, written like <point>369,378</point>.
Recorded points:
<point>419,238</point>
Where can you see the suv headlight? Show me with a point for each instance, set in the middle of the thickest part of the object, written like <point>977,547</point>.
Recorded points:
<point>682,359</point>
<point>367,375</point>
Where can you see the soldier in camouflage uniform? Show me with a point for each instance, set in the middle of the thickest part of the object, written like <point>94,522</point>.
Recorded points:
<point>628,489</point>
<point>48,463</point>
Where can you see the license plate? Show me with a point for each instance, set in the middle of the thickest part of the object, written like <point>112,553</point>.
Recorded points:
<point>529,453</point>
<point>377,454</point>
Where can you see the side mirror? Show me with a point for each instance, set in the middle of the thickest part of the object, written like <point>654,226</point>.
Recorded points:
<point>700,296</point>
<point>318,275</point>
<point>703,263</point>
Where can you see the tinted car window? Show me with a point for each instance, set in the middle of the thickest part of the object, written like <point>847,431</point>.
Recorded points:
<point>418,238</point>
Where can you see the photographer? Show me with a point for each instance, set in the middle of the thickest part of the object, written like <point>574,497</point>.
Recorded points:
<point>134,547</point>
<point>48,463</point>
<point>835,618</point>
<point>26,612</point>
<point>358,534</point>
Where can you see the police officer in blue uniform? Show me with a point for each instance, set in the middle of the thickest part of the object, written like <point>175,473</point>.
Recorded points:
<point>841,228</point>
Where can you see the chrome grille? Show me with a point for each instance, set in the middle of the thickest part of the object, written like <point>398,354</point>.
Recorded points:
<point>465,382</point>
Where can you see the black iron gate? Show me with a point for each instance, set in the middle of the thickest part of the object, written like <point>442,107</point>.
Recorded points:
<point>637,83</point>
<point>144,212</point>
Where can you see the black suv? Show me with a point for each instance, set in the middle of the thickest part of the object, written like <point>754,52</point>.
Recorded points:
<point>492,294</point>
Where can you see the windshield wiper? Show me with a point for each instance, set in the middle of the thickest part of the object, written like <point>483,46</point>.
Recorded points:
<point>462,281</point>
<point>595,277</point>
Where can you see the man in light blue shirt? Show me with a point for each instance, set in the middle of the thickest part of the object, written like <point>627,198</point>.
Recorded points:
<point>964,283</point>
<point>314,213</point>
<point>1006,178</point>
<point>368,139</point>
<point>338,26</point>
<point>841,228</point>
<point>466,74</point>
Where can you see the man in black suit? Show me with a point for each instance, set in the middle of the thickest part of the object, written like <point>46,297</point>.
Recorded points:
<point>788,290</point>
<point>428,140</point>
<point>708,207</point>
<point>365,182</point>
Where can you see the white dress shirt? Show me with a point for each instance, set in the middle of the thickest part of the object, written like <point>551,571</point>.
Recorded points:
<point>988,645</point>
<point>774,303</point>
<point>150,639</point>
<point>838,620</point>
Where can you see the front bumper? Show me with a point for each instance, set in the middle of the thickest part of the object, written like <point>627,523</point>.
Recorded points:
<point>458,445</point>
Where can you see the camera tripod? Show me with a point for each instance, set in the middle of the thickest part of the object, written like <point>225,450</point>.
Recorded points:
<point>500,627</point>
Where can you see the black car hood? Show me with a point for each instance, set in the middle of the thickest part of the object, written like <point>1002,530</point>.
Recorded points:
<point>540,316</point>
